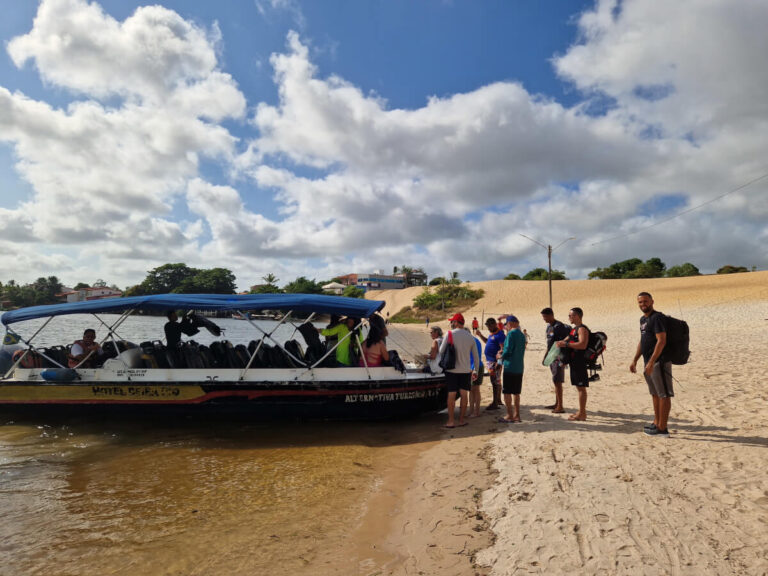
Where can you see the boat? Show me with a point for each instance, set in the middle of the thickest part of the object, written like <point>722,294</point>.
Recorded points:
<point>265,379</point>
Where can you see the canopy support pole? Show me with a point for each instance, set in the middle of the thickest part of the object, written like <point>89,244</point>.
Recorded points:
<point>266,335</point>
<point>29,347</point>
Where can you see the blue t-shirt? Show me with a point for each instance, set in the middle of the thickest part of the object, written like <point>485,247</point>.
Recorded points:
<point>514,350</point>
<point>493,345</point>
<point>479,354</point>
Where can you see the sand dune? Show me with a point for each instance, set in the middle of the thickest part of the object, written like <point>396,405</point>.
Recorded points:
<point>600,497</point>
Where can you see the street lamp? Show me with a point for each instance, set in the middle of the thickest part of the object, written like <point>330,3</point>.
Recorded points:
<point>549,258</point>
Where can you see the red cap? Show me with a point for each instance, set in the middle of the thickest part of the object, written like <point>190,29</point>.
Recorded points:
<point>457,318</point>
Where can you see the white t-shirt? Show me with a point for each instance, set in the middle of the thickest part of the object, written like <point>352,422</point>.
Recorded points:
<point>76,350</point>
<point>465,348</point>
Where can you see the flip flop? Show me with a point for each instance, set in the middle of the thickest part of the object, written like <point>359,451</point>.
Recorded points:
<point>460,425</point>
<point>505,421</point>
<point>448,427</point>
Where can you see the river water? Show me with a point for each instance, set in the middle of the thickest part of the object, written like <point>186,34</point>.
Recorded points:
<point>185,497</point>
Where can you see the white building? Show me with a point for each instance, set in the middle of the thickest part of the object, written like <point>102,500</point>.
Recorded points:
<point>91,293</point>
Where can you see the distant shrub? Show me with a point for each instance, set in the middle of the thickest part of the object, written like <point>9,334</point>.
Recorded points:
<point>447,296</point>
<point>542,274</point>
<point>728,269</point>
<point>686,269</point>
<point>632,268</point>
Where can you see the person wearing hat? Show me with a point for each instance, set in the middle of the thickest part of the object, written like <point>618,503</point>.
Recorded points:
<point>459,378</point>
<point>556,330</point>
<point>513,358</point>
<point>493,344</point>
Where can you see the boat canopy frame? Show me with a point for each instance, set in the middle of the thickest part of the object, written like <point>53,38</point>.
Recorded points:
<point>312,303</point>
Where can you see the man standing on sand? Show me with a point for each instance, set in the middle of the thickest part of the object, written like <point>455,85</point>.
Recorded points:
<point>556,330</point>
<point>458,379</point>
<point>658,372</point>
<point>575,344</point>
<point>493,344</point>
<point>475,324</point>
<point>512,356</point>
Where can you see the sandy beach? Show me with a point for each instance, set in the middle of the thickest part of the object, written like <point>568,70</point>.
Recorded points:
<point>552,496</point>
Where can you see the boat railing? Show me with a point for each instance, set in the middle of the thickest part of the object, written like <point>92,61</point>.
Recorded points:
<point>113,335</point>
<point>267,335</point>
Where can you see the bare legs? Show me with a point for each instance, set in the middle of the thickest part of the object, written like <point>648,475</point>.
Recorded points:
<point>582,413</point>
<point>661,409</point>
<point>512,401</point>
<point>558,407</point>
<point>464,397</point>
<point>474,401</point>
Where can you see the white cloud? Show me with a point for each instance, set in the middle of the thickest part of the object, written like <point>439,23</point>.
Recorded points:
<point>106,169</point>
<point>360,185</point>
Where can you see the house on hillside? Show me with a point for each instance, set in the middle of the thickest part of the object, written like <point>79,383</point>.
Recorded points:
<point>373,281</point>
<point>89,293</point>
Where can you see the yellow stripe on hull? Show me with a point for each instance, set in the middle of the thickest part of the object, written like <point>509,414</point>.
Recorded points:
<point>99,393</point>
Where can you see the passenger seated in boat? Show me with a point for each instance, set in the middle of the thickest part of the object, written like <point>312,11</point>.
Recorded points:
<point>436,333</point>
<point>85,348</point>
<point>375,346</point>
<point>174,329</point>
<point>337,333</point>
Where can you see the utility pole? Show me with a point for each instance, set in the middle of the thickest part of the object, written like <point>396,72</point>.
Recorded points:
<point>549,258</point>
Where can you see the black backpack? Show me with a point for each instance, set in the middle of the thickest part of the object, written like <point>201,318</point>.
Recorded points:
<point>595,347</point>
<point>677,349</point>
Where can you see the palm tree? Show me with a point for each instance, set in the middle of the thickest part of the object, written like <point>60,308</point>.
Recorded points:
<point>406,272</point>
<point>455,278</point>
<point>270,278</point>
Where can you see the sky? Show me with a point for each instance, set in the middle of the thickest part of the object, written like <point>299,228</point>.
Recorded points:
<point>323,138</point>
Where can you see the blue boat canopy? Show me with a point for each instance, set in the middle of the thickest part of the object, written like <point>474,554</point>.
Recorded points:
<point>320,304</point>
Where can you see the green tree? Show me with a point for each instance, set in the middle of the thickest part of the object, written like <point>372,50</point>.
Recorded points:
<point>454,278</point>
<point>512,277</point>
<point>135,290</point>
<point>81,286</point>
<point>686,269</point>
<point>166,278</point>
<point>353,292</point>
<point>211,281</point>
<point>632,268</point>
<point>542,274</point>
<point>437,281</point>
<point>303,286</point>
<point>651,268</point>
<point>728,269</point>
<point>269,286</point>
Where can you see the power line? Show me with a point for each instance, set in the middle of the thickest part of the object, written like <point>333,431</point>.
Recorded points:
<point>715,199</point>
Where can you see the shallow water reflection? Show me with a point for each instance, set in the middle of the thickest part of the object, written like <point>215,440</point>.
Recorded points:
<point>181,497</point>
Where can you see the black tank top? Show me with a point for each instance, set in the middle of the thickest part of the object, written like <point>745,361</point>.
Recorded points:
<point>573,336</point>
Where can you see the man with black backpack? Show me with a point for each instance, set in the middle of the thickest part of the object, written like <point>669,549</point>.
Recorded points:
<point>658,370</point>
<point>575,345</point>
